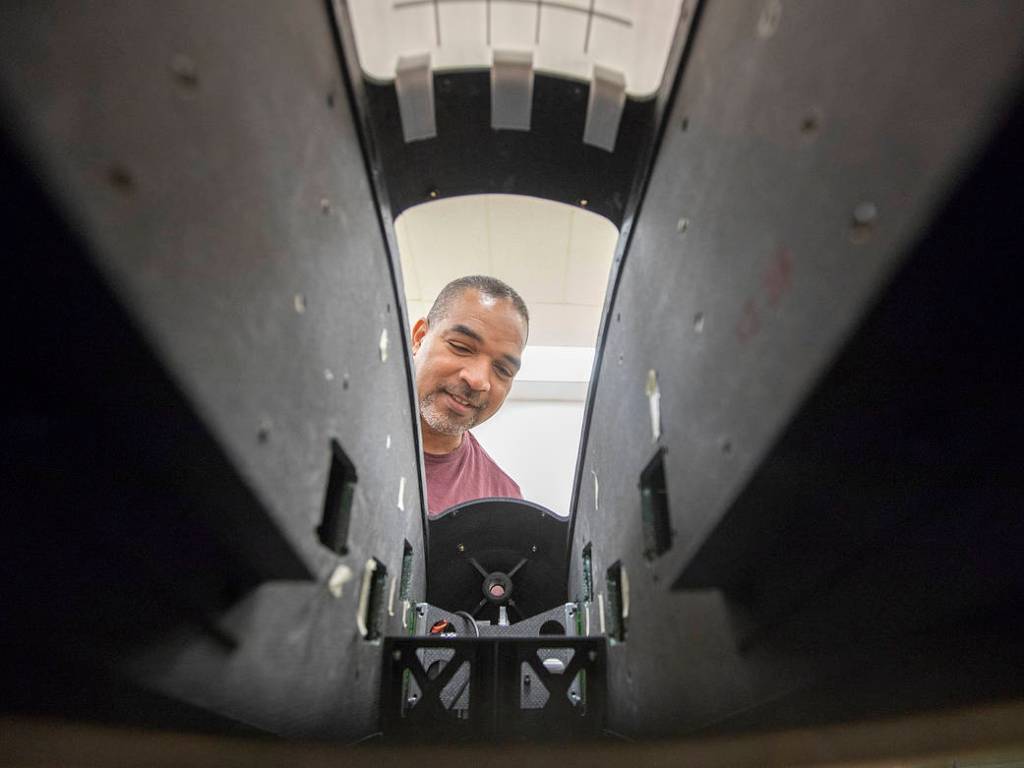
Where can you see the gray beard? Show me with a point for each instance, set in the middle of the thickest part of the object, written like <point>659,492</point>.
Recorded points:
<point>439,420</point>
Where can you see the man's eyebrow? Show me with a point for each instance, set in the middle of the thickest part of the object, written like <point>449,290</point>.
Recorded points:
<point>467,331</point>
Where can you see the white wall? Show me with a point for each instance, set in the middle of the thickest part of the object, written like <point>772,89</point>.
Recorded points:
<point>535,442</point>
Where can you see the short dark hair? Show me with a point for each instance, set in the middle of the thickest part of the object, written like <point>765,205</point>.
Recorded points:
<point>490,287</point>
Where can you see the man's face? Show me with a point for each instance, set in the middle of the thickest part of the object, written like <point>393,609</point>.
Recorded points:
<point>465,366</point>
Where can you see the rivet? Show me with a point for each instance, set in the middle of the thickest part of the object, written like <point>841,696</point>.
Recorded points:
<point>328,374</point>
<point>462,547</point>
<point>584,202</point>
<point>299,303</point>
<point>184,71</point>
<point>325,206</point>
<point>121,180</point>
<point>698,322</point>
<point>682,225</point>
<point>863,222</point>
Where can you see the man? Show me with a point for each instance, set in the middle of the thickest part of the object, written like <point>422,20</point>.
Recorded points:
<point>467,351</point>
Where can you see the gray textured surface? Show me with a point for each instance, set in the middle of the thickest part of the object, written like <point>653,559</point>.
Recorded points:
<point>206,154</point>
<point>746,274</point>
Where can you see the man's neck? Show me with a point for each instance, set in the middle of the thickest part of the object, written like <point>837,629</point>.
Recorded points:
<point>438,444</point>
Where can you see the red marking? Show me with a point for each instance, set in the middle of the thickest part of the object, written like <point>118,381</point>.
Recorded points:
<point>776,281</point>
<point>749,323</point>
<point>440,626</point>
<point>778,278</point>
<point>497,590</point>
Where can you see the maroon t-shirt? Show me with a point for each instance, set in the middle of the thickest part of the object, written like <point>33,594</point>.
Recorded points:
<point>464,474</point>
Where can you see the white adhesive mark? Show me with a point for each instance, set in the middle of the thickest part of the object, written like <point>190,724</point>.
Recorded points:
<point>363,608</point>
<point>341,576</point>
<point>391,595</point>
<point>587,625</point>
<point>600,611</point>
<point>300,303</point>
<point>654,404</point>
<point>383,345</point>
<point>387,443</point>
<point>597,489</point>
<point>328,374</point>
<point>401,494</point>
<point>768,22</point>
<point>624,589</point>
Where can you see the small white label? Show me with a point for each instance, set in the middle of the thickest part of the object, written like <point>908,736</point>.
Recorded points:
<point>654,404</point>
<point>401,494</point>
<point>383,345</point>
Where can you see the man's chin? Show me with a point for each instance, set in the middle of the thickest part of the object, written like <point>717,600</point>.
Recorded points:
<point>450,423</point>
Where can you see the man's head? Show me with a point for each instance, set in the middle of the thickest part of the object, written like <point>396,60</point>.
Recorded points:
<point>467,351</point>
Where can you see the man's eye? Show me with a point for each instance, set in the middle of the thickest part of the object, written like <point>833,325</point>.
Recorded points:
<point>459,348</point>
<point>504,372</point>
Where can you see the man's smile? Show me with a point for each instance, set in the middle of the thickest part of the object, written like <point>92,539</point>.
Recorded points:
<point>461,404</point>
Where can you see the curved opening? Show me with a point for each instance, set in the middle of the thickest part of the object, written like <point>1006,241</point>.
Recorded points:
<point>558,258</point>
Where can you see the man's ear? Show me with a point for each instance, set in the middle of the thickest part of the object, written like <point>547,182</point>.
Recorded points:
<point>419,330</point>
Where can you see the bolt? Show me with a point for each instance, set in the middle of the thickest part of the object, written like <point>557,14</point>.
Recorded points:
<point>698,322</point>
<point>396,655</point>
<point>325,206</point>
<point>584,202</point>
<point>462,547</point>
<point>682,225</point>
<point>300,304</point>
<point>533,548</point>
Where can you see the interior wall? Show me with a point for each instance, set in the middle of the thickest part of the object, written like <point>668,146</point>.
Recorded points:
<point>535,442</point>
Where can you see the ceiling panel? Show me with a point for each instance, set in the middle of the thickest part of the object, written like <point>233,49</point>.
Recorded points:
<point>530,245</point>
<point>555,255</point>
<point>591,247</point>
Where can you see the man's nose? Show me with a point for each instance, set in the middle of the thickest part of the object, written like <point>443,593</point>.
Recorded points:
<point>476,374</point>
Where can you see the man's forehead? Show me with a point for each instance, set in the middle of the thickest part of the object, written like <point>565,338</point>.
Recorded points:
<point>484,318</point>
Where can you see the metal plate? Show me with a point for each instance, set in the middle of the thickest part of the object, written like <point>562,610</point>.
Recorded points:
<point>205,156</point>
<point>809,148</point>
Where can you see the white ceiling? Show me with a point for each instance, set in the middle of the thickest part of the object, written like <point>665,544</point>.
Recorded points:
<point>556,256</point>
<point>566,37</point>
